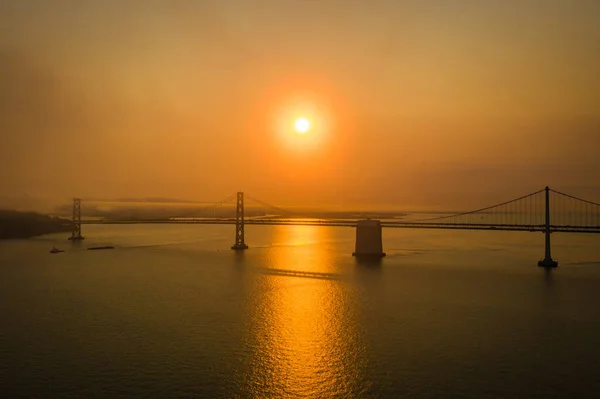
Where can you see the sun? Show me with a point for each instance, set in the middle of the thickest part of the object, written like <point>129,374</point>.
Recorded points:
<point>301,125</point>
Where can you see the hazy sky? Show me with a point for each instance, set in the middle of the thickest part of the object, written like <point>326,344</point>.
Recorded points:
<point>457,102</point>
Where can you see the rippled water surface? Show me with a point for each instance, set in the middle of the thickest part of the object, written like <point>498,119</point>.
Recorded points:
<point>171,312</point>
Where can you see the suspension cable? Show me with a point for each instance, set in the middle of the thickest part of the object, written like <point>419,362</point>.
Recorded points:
<point>215,204</point>
<point>480,210</point>
<point>575,198</point>
<point>267,205</point>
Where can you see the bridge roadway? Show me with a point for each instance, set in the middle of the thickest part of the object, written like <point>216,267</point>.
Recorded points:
<point>353,222</point>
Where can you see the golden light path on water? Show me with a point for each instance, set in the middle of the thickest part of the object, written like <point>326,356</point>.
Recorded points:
<point>305,338</point>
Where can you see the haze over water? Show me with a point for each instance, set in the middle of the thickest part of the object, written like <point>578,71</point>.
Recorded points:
<point>172,312</point>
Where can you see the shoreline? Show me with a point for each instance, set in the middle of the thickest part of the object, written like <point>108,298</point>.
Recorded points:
<point>15,225</point>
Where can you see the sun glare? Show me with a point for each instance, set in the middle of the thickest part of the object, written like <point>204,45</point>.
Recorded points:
<point>301,125</point>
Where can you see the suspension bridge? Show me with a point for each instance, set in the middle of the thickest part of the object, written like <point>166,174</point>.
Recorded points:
<point>546,211</point>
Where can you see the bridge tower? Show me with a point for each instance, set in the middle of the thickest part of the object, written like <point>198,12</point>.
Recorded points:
<point>76,234</point>
<point>547,262</point>
<point>239,245</point>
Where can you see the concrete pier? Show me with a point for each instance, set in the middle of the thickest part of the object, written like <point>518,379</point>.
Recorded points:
<point>368,239</point>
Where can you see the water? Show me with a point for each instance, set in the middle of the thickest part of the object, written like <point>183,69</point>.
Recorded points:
<point>172,312</point>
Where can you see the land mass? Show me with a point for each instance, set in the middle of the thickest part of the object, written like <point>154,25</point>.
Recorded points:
<point>14,224</point>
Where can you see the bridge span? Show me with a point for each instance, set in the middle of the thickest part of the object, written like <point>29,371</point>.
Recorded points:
<point>546,211</point>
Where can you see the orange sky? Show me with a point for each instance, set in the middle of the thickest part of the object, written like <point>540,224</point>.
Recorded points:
<point>418,103</point>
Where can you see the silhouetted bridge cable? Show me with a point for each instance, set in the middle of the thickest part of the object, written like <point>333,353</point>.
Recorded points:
<point>212,209</point>
<point>281,212</point>
<point>206,211</point>
<point>527,210</point>
<point>570,212</point>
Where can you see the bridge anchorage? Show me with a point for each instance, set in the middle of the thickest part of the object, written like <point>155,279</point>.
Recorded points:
<point>76,222</point>
<point>240,244</point>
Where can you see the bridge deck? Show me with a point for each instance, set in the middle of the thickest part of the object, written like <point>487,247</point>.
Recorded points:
<point>352,223</point>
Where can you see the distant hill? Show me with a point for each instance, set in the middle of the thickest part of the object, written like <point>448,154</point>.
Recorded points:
<point>14,224</point>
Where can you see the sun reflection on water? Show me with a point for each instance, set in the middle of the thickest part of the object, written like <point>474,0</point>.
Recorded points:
<point>304,337</point>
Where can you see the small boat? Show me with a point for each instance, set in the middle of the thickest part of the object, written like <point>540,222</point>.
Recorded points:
<point>97,248</point>
<point>55,250</point>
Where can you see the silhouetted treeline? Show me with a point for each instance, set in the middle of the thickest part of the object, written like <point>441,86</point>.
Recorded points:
<point>15,224</point>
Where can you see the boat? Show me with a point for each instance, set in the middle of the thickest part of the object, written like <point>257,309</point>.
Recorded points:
<point>55,250</point>
<point>97,248</point>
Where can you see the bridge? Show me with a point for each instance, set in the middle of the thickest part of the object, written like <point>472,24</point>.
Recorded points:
<point>546,211</point>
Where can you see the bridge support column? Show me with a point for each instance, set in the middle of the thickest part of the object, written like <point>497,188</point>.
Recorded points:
<point>547,261</point>
<point>368,239</point>
<point>76,233</point>
<point>239,245</point>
